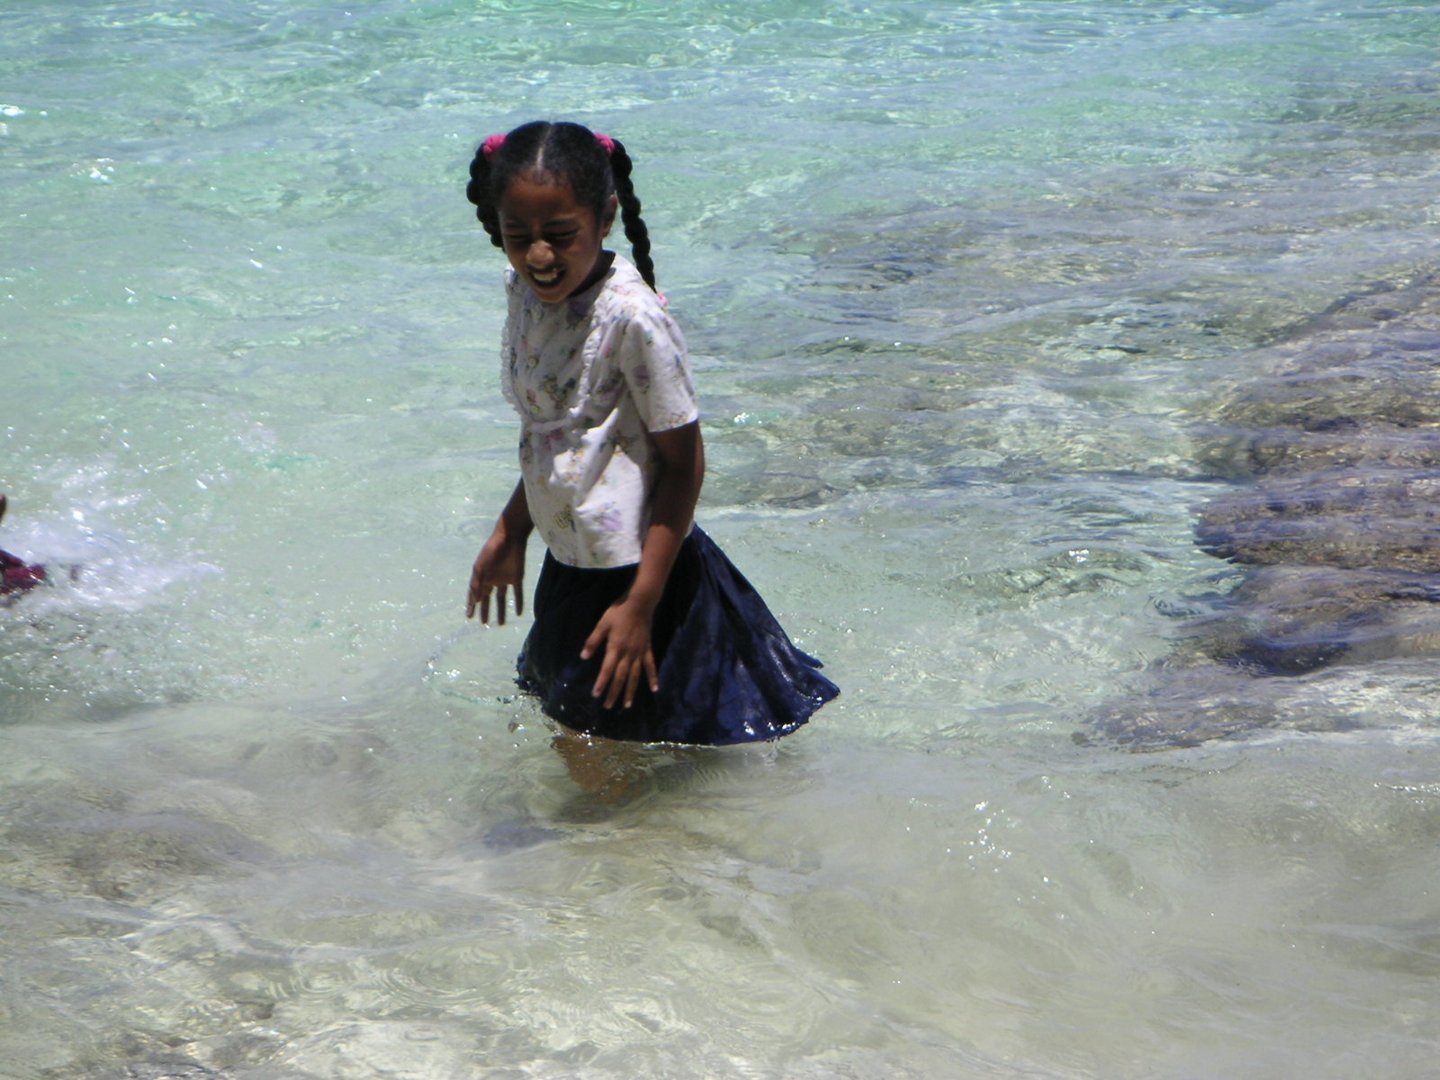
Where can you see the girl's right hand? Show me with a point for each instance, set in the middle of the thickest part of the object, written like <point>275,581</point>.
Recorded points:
<point>499,566</point>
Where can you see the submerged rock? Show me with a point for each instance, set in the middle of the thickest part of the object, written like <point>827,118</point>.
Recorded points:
<point>1380,517</point>
<point>1334,521</point>
<point>1358,386</point>
<point>1287,620</point>
<point>1340,520</point>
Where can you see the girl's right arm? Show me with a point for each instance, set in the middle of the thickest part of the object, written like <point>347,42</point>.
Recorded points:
<point>501,562</point>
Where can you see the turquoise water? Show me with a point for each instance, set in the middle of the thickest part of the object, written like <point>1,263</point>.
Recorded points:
<point>962,281</point>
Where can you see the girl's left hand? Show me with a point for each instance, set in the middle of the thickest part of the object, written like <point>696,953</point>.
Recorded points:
<point>624,633</point>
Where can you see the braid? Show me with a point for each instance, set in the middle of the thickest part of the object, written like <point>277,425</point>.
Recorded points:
<point>478,192</point>
<point>635,229</point>
<point>594,167</point>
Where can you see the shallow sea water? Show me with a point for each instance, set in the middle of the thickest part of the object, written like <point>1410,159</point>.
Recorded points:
<point>962,282</point>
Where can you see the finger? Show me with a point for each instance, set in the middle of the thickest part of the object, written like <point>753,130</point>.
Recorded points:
<point>651,671</point>
<point>605,681</point>
<point>500,605</point>
<point>632,684</point>
<point>592,644</point>
<point>485,605</point>
<point>519,597</point>
<point>476,593</point>
<point>619,679</point>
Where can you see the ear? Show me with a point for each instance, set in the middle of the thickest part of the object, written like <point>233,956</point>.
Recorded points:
<point>607,219</point>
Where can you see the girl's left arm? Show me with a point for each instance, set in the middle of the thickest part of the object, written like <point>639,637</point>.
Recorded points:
<point>624,630</point>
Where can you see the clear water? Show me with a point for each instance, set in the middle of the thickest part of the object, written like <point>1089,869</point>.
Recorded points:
<point>961,280</point>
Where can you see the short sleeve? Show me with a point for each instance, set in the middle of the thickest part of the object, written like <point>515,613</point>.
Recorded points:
<point>655,362</point>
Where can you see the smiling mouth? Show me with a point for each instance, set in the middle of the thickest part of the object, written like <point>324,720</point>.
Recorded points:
<point>546,279</point>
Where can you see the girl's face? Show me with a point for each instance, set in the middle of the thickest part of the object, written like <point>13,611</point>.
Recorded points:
<point>553,242</point>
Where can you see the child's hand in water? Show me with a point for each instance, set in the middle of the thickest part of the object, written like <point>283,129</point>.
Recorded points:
<point>623,632</point>
<point>499,566</point>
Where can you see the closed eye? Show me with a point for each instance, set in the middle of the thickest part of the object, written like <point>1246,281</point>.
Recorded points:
<point>555,240</point>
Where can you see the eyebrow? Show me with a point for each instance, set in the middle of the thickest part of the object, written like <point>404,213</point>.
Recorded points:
<point>553,224</point>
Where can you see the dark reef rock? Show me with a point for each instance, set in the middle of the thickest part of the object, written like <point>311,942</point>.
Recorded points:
<point>1334,523</point>
<point>1338,520</point>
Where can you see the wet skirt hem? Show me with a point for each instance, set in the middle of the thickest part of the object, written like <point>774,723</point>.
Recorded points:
<point>728,672</point>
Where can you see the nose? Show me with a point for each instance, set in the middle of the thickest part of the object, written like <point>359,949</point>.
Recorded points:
<point>539,255</point>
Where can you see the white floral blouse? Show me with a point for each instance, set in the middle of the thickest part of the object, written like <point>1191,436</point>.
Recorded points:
<point>591,378</point>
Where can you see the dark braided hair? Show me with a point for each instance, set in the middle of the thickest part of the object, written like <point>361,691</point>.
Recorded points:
<point>565,152</point>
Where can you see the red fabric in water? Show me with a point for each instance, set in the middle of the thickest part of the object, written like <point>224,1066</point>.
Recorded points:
<point>16,575</point>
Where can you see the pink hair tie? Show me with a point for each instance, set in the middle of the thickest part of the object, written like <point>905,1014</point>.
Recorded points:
<point>491,144</point>
<point>606,142</point>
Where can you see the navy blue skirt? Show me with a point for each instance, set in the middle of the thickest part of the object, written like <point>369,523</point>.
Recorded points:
<point>728,671</point>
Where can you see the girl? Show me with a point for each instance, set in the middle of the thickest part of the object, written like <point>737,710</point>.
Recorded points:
<point>643,630</point>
